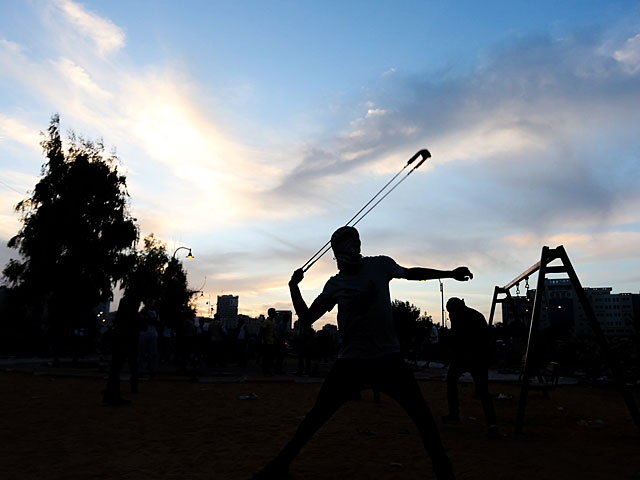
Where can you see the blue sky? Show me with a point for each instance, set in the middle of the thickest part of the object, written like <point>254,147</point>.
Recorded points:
<point>249,131</point>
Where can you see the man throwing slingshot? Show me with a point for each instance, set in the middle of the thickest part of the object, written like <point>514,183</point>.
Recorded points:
<point>370,353</point>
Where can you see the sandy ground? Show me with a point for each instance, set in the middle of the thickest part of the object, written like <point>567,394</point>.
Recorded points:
<point>55,428</point>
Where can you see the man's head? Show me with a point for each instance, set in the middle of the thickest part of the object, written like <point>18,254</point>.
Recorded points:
<point>345,243</point>
<point>455,304</point>
<point>271,312</point>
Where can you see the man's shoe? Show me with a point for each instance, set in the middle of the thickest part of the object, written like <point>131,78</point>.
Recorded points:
<point>451,419</point>
<point>443,470</point>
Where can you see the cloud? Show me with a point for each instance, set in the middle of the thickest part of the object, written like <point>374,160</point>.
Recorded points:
<point>9,223</point>
<point>12,129</point>
<point>376,111</point>
<point>79,77</point>
<point>629,55</point>
<point>531,122</point>
<point>10,46</point>
<point>106,36</point>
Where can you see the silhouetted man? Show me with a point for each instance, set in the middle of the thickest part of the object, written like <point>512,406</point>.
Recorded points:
<point>268,342</point>
<point>125,347</point>
<point>470,341</point>
<point>370,353</point>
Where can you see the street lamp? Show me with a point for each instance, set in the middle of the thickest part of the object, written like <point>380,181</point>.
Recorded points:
<point>189,255</point>
<point>444,325</point>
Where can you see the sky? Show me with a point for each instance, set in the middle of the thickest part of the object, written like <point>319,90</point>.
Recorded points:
<point>249,131</point>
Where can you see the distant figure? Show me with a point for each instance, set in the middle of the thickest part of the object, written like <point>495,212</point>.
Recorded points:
<point>217,334</point>
<point>201,342</point>
<point>165,345</point>
<point>470,342</point>
<point>304,344</point>
<point>279,344</point>
<point>242,336</point>
<point>125,347</point>
<point>268,345</point>
<point>369,356</point>
<point>187,346</point>
<point>434,340</point>
<point>148,340</point>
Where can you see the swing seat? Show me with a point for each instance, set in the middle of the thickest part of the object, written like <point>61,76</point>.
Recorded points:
<point>547,379</point>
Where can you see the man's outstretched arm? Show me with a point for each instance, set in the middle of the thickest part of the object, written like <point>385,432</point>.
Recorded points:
<point>305,314</point>
<point>462,274</point>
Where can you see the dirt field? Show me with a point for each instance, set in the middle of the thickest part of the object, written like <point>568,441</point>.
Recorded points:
<point>56,428</point>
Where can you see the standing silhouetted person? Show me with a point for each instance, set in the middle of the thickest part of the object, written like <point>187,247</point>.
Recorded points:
<point>125,347</point>
<point>370,353</point>
<point>470,342</point>
<point>268,342</point>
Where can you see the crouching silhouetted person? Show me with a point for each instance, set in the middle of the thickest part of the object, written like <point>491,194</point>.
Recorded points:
<point>470,343</point>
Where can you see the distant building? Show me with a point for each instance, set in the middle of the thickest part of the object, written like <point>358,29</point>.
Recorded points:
<point>616,312</point>
<point>227,310</point>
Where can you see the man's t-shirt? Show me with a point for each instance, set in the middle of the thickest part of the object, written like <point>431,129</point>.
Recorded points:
<point>364,308</point>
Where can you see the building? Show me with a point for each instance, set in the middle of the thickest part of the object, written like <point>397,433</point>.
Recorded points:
<point>616,312</point>
<point>227,310</point>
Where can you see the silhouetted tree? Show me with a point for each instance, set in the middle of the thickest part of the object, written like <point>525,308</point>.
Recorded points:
<point>76,235</point>
<point>175,301</point>
<point>147,270</point>
<point>405,315</point>
<point>161,280</point>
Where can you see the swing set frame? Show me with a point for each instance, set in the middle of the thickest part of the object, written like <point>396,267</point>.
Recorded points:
<point>544,268</point>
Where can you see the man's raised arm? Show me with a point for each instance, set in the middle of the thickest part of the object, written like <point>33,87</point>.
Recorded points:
<point>305,314</point>
<point>462,274</point>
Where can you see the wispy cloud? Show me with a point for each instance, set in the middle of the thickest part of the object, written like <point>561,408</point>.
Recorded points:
<point>79,77</point>
<point>104,34</point>
<point>12,129</point>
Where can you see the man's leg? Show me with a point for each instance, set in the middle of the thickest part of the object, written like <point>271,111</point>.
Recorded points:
<point>335,390</point>
<point>481,380</point>
<point>453,374</point>
<point>397,381</point>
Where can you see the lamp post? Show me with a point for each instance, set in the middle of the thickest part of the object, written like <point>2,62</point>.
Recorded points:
<point>189,255</point>
<point>444,325</point>
<point>201,289</point>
